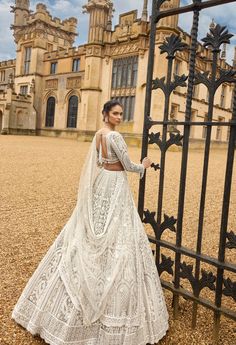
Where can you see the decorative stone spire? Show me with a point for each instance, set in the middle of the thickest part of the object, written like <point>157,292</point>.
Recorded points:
<point>21,11</point>
<point>23,4</point>
<point>213,24</point>
<point>10,84</point>
<point>145,11</point>
<point>223,53</point>
<point>110,15</point>
<point>100,19</point>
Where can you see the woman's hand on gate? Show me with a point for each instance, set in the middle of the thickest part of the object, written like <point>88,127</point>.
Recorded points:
<point>146,162</point>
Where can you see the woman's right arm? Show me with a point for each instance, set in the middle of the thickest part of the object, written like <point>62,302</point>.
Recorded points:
<point>119,146</point>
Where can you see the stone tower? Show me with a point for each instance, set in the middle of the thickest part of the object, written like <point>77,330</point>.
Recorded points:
<point>35,34</point>
<point>21,13</point>
<point>100,12</point>
<point>171,21</point>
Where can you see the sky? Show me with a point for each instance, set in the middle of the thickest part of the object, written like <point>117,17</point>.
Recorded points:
<point>223,15</point>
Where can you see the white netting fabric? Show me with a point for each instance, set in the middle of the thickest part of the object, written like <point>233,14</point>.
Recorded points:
<point>98,283</point>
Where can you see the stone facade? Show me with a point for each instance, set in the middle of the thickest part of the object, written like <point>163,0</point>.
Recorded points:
<point>55,89</point>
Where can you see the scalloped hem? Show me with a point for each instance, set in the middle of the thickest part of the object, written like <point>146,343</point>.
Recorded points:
<point>48,337</point>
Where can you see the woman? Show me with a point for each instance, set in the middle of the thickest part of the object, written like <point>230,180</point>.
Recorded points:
<point>98,283</point>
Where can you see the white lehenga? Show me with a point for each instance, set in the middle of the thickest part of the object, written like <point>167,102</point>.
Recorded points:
<point>98,283</point>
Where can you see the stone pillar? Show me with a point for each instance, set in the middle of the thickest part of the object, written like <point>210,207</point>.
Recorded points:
<point>171,21</point>
<point>7,111</point>
<point>100,12</point>
<point>145,11</point>
<point>91,90</point>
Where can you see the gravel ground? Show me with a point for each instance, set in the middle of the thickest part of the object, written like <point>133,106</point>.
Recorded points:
<point>39,179</point>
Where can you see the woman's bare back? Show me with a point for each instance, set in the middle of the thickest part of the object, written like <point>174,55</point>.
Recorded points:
<point>101,144</point>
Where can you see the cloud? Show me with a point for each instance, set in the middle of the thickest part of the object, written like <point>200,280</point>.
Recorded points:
<point>223,14</point>
<point>69,8</point>
<point>7,45</point>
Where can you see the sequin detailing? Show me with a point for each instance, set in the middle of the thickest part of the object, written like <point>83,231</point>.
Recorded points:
<point>98,283</point>
<point>117,152</point>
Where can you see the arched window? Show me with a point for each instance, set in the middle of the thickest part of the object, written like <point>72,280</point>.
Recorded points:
<point>72,112</point>
<point>50,112</point>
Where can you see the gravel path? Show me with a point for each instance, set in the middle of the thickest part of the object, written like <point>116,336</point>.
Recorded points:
<point>39,179</point>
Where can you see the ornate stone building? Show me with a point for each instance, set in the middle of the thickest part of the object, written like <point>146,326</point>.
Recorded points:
<point>55,89</point>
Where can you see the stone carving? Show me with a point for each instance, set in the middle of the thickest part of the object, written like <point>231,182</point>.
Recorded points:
<point>73,83</point>
<point>51,84</point>
<point>124,49</point>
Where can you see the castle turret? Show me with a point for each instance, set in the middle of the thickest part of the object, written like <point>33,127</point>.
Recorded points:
<point>100,12</point>
<point>100,19</point>
<point>21,11</point>
<point>170,21</point>
<point>145,11</point>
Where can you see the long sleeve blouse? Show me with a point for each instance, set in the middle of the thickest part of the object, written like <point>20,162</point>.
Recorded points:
<point>118,148</point>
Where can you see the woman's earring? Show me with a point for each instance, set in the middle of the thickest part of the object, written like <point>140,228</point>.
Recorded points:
<point>106,119</point>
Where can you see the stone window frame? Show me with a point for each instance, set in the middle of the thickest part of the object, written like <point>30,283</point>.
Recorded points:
<point>128,103</point>
<point>72,115</point>
<point>27,59</point>
<point>219,129</point>
<point>50,112</point>
<point>177,67</point>
<point>124,72</point>
<point>173,117</point>
<point>124,78</point>
<point>53,67</point>
<point>76,65</point>
<point>223,95</point>
<point>24,89</point>
<point>3,76</point>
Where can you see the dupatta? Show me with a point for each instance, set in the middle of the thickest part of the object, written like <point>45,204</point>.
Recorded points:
<point>91,262</point>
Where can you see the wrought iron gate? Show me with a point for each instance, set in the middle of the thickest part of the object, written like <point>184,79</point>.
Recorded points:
<point>175,266</point>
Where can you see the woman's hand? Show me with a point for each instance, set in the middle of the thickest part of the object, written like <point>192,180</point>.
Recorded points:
<point>146,162</point>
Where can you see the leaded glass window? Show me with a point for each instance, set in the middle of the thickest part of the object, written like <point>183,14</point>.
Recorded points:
<point>76,65</point>
<point>124,76</point>
<point>128,107</point>
<point>53,69</point>
<point>72,112</point>
<point>23,89</point>
<point>50,112</point>
<point>27,59</point>
<point>3,76</point>
<point>124,73</point>
<point>223,96</point>
<point>177,67</point>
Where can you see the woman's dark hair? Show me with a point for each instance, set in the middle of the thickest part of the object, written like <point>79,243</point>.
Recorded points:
<point>109,105</point>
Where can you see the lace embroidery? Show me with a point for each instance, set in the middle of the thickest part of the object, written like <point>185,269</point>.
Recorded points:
<point>119,146</point>
<point>117,151</point>
<point>108,291</point>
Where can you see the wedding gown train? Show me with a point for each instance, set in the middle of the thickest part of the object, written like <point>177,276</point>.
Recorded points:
<point>98,283</point>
